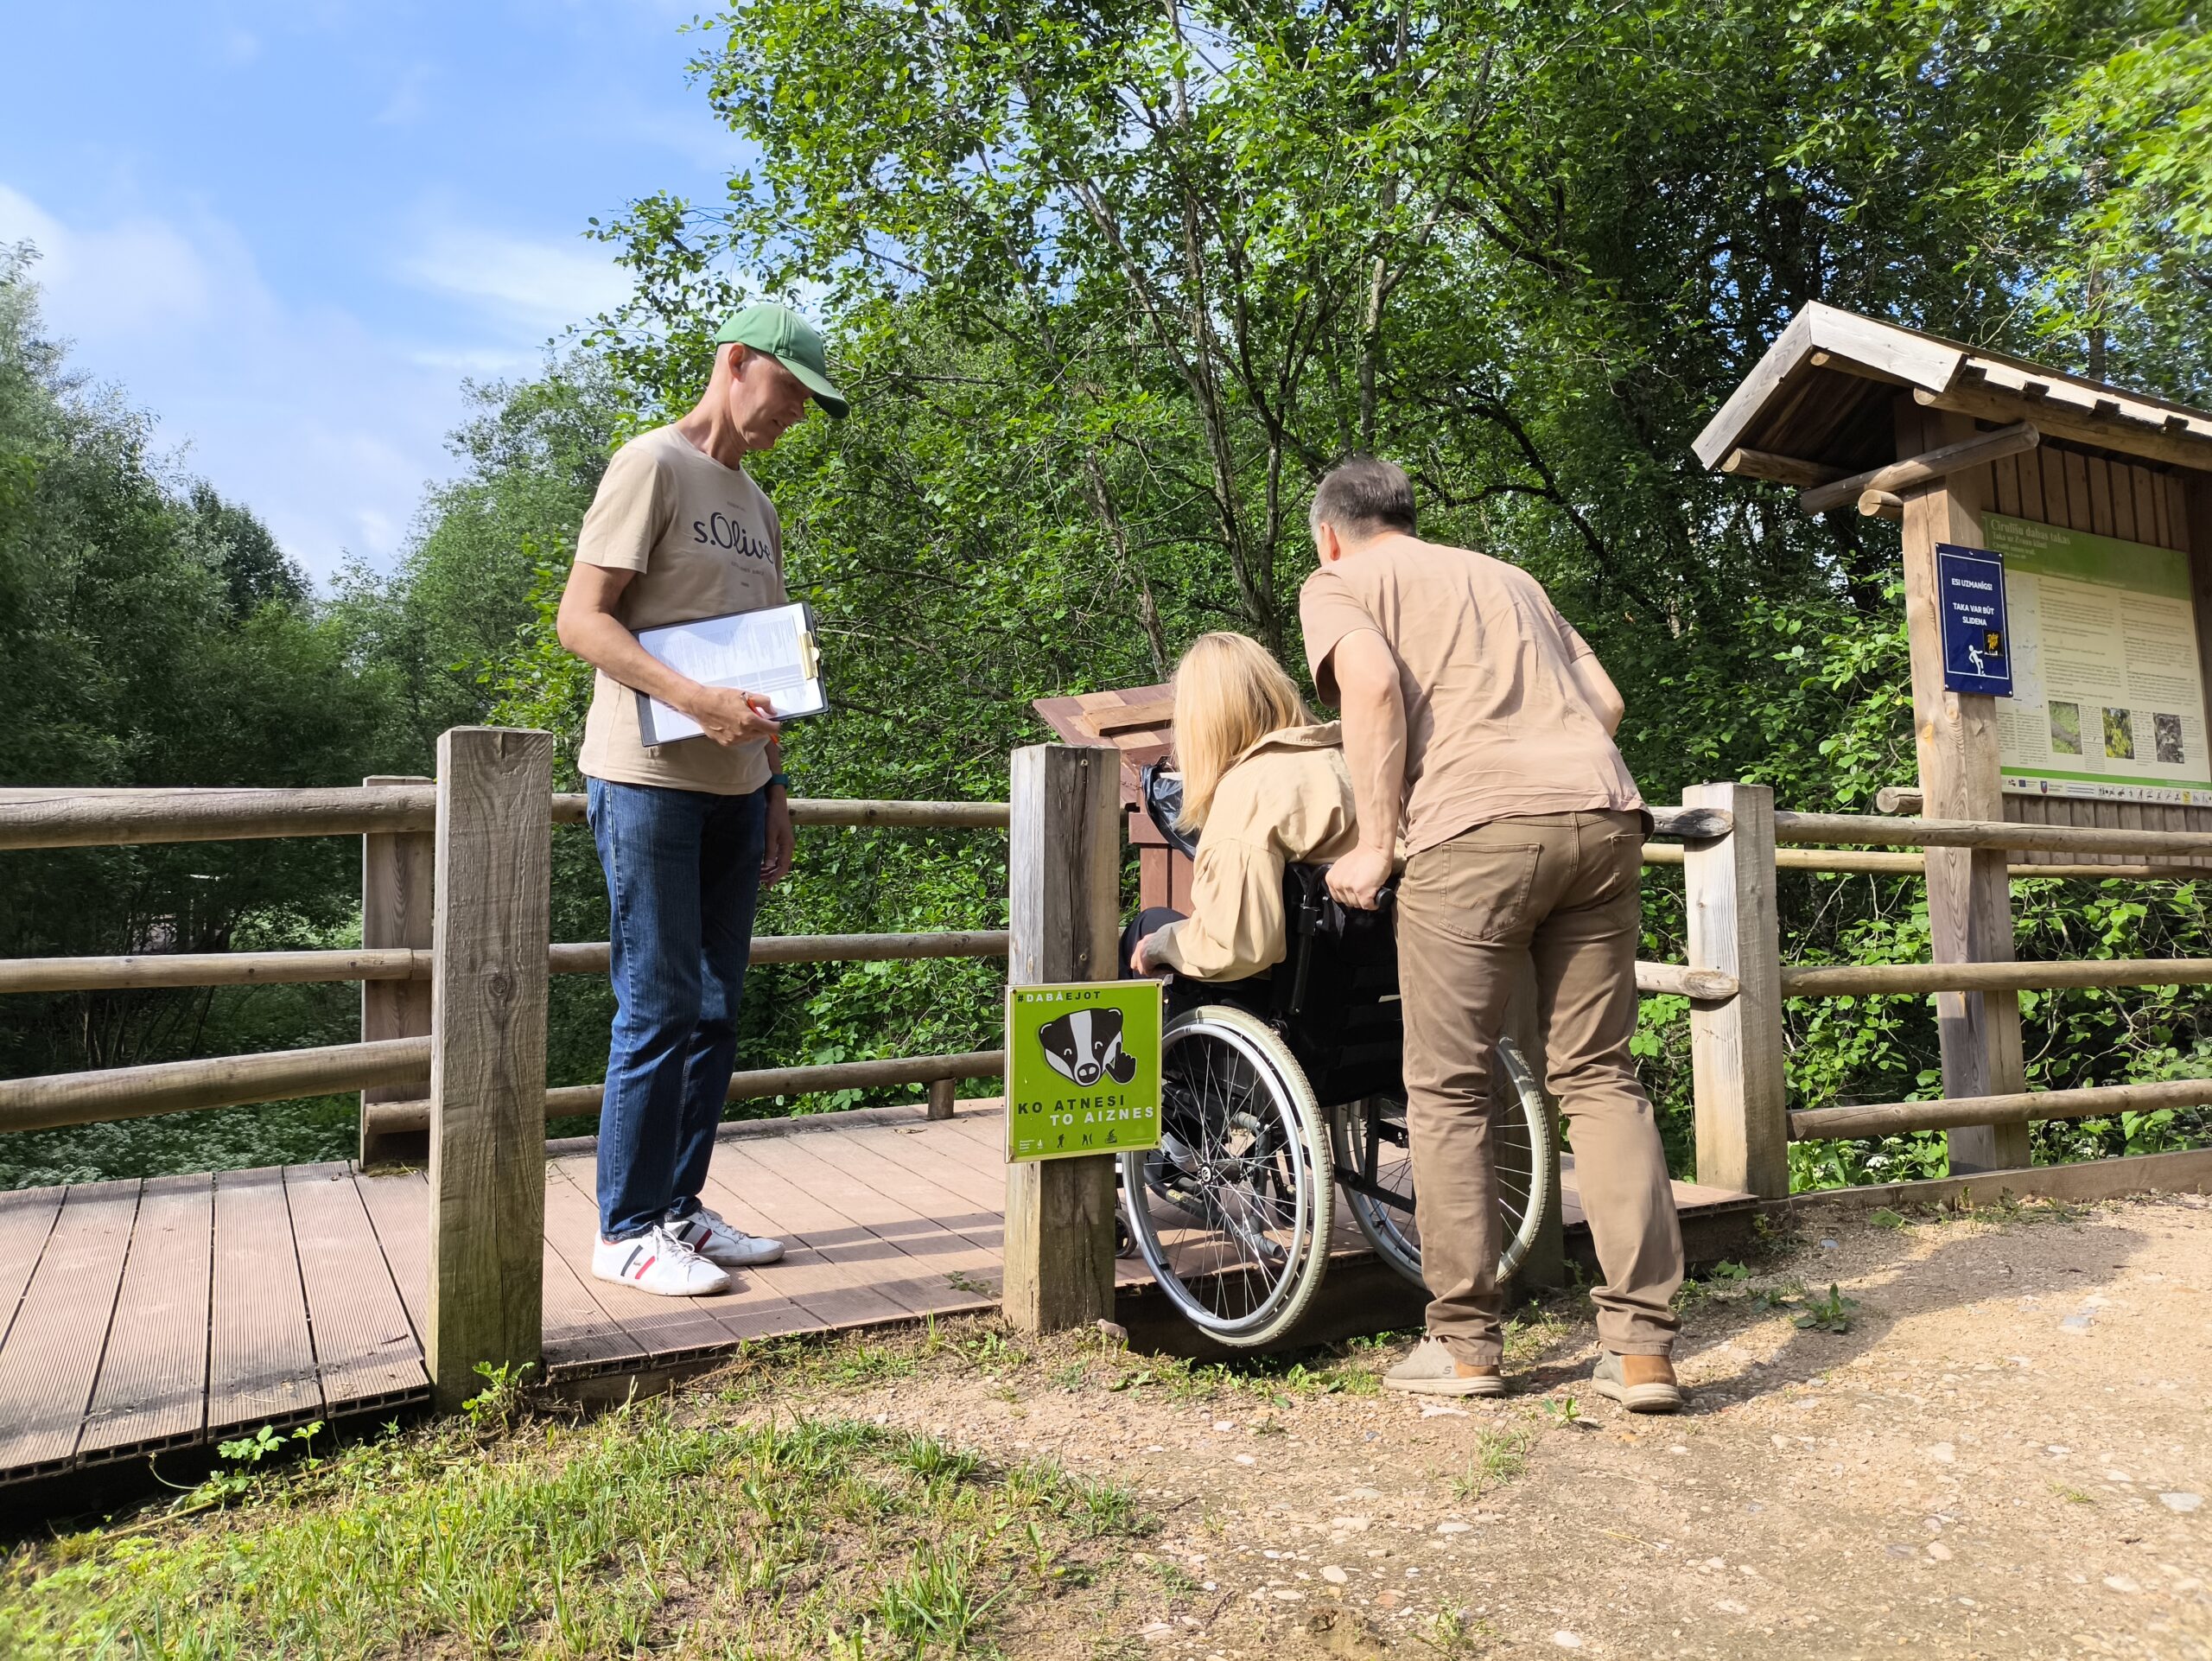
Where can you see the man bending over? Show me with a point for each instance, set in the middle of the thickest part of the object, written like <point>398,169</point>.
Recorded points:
<point>1478,725</point>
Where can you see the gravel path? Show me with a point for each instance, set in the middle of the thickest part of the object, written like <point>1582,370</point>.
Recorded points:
<point>2003,1453</point>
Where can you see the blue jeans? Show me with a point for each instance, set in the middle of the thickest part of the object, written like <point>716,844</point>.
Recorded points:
<point>682,873</point>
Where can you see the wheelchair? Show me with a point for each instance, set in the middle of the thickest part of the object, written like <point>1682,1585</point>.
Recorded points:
<point>1280,1093</point>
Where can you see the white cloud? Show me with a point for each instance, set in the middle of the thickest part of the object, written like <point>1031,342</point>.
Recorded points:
<point>135,274</point>
<point>539,286</point>
<point>327,432</point>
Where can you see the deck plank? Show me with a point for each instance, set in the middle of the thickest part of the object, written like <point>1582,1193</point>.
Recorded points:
<point>953,1162</point>
<point>25,1221</point>
<point>365,1345</point>
<point>50,1363</point>
<point>153,1380</point>
<point>399,1211</point>
<point>908,1175</point>
<point>917,1262</point>
<point>830,1267</point>
<point>579,1330</point>
<point>261,1359</point>
<point>948,1236</point>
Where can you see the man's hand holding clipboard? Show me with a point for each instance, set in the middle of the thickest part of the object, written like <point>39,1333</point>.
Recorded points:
<point>730,716</point>
<point>768,660</point>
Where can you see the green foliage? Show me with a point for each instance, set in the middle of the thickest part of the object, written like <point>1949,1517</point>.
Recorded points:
<point>2123,159</point>
<point>1829,1315</point>
<point>155,635</point>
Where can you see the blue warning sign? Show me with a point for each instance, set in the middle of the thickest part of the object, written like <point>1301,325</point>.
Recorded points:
<point>1977,639</point>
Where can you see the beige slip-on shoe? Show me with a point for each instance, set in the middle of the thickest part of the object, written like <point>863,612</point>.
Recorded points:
<point>1641,1383</point>
<point>1431,1370</point>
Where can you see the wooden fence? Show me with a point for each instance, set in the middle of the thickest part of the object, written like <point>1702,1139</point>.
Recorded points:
<point>456,959</point>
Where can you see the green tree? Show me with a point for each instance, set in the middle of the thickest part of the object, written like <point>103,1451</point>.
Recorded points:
<point>154,635</point>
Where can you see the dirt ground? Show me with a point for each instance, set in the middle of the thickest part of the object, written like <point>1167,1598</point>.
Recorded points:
<point>2004,1452</point>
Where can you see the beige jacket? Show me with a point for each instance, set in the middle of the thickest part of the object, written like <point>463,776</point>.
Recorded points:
<point>1287,799</point>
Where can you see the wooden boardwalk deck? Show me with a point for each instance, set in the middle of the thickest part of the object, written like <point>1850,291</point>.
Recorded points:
<point>139,1316</point>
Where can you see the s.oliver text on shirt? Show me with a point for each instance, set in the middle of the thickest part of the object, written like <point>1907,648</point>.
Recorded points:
<point>723,531</point>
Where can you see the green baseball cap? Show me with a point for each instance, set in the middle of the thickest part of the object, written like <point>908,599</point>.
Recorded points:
<point>792,342</point>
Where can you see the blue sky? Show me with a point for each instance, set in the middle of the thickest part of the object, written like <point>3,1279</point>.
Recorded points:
<point>289,231</point>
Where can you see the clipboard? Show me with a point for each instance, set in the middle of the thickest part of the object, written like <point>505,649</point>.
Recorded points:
<point>774,652</point>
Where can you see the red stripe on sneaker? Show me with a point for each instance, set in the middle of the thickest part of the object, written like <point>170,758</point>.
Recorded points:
<point>644,1266</point>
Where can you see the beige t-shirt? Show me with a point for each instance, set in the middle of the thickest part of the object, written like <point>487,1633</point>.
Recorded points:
<point>1497,727</point>
<point>705,542</point>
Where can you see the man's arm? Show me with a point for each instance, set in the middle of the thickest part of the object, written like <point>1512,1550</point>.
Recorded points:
<point>778,844</point>
<point>1373,712</point>
<point>588,626</point>
<point>1598,687</point>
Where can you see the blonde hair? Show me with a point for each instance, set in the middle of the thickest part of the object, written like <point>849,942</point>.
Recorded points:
<point>1229,693</point>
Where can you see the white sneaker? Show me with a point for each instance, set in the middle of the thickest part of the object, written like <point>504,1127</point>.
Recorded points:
<point>706,1233</point>
<point>658,1262</point>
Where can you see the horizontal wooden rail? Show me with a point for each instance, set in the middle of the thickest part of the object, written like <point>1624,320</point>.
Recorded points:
<point>274,968</point>
<point>1706,985</point>
<point>1691,824</point>
<point>1986,833</point>
<point>805,810</point>
<point>44,1102</point>
<point>208,969</point>
<point>1978,451</point>
<point>1894,1118</point>
<point>1886,980</point>
<point>567,1102</point>
<point>122,818</point>
<point>1853,862</point>
<point>591,958</point>
<point>77,818</point>
<point>220,1081</point>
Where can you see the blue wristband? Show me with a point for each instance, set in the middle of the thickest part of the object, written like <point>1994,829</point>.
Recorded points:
<point>781,779</point>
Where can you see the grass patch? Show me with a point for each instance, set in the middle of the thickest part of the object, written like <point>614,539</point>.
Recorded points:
<point>633,1531</point>
<point>1500,1455</point>
<point>1352,1368</point>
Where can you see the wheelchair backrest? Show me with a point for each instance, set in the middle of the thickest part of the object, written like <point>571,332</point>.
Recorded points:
<point>1334,996</point>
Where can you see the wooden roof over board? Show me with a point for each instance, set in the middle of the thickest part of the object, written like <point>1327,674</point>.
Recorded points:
<point>1138,721</point>
<point>1818,405</point>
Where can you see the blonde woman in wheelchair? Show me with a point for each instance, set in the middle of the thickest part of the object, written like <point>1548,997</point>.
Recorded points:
<point>1281,1063</point>
<point>1268,787</point>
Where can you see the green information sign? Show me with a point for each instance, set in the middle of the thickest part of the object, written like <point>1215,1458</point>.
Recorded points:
<point>1083,1068</point>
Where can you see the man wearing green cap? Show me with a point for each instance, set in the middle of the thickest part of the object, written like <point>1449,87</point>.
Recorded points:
<point>687,831</point>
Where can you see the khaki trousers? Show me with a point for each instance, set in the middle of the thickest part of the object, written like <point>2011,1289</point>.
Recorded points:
<point>1561,889</point>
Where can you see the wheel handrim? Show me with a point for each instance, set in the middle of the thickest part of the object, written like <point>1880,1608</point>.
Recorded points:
<point>1221,1211</point>
<point>1376,1146</point>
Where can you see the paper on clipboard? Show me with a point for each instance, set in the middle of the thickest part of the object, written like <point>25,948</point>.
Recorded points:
<point>772,652</point>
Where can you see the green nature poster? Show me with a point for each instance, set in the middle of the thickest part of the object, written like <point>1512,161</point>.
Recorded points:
<point>1083,1068</point>
<point>2108,685</point>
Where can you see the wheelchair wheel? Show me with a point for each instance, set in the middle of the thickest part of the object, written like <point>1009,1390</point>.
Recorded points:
<point>1232,1212</point>
<point>1370,1145</point>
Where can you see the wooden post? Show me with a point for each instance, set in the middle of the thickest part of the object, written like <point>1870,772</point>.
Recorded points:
<point>396,911</point>
<point>1969,891</point>
<point>1064,866</point>
<point>487,1058</point>
<point>1735,1059</point>
<point>942,1093</point>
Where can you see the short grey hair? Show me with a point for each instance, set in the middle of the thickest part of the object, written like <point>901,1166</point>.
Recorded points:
<point>1365,496</point>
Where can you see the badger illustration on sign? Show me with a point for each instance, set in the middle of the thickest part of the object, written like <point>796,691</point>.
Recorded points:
<point>1085,1045</point>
